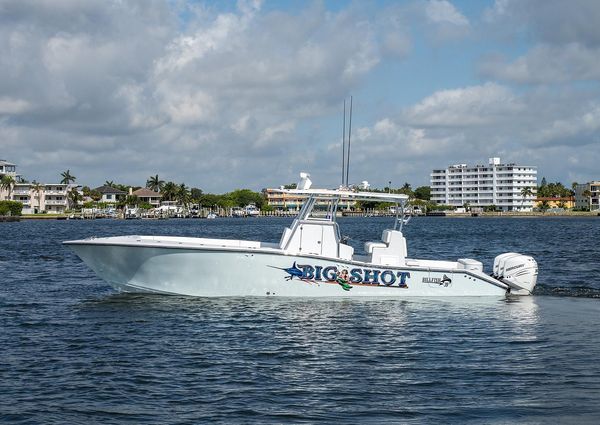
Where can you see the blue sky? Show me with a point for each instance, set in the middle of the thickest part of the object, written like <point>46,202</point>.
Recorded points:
<point>224,95</point>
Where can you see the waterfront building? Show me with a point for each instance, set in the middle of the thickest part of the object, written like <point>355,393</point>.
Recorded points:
<point>485,185</point>
<point>8,169</point>
<point>148,196</point>
<point>110,195</point>
<point>35,197</point>
<point>567,202</point>
<point>592,201</point>
<point>290,202</point>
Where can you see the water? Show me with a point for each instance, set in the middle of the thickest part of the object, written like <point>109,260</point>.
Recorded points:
<point>74,351</point>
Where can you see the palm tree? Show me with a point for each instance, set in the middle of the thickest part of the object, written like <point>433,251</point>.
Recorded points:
<point>588,195</point>
<point>109,183</point>
<point>7,183</point>
<point>155,183</point>
<point>67,177</point>
<point>73,198</point>
<point>183,194</point>
<point>525,193</point>
<point>544,206</point>
<point>37,188</point>
<point>169,191</point>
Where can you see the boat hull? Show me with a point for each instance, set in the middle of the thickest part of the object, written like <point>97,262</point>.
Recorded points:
<point>218,273</point>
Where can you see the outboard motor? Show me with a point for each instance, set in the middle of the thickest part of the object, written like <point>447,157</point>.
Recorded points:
<point>517,271</point>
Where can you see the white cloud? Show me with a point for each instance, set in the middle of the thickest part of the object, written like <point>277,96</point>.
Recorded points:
<point>10,106</point>
<point>442,11</point>
<point>547,64</point>
<point>472,106</point>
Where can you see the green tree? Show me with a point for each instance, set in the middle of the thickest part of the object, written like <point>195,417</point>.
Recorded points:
<point>132,200</point>
<point>109,183</point>
<point>406,189</point>
<point>195,194</point>
<point>182,194</point>
<point>155,183</point>
<point>73,198</point>
<point>10,207</point>
<point>7,183</point>
<point>95,195</point>
<point>423,192</point>
<point>37,188</point>
<point>243,197</point>
<point>169,191</point>
<point>526,192</point>
<point>209,200</point>
<point>544,206</point>
<point>588,195</point>
<point>67,178</point>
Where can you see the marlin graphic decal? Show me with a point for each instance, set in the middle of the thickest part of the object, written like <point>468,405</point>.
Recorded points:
<point>293,271</point>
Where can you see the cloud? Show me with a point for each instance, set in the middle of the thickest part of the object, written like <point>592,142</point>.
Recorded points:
<point>549,21</point>
<point>443,12</point>
<point>146,78</point>
<point>444,22</point>
<point>217,96</point>
<point>566,38</point>
<point>473,123</point>
<point>547,64</point>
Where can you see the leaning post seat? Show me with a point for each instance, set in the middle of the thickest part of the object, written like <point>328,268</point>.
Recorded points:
<point>390,252</point>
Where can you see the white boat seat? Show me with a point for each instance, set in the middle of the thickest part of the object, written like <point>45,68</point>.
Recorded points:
<point>369,246</point>
<point>391,251</point>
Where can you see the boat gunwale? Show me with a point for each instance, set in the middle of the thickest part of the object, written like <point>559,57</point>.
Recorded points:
<point>278,251</point>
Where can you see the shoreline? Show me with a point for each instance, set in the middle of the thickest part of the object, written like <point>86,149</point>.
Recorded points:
<point>578,214</point>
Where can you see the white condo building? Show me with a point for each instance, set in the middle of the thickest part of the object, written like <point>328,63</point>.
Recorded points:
<point>484,185</point>
<point>36,198</point>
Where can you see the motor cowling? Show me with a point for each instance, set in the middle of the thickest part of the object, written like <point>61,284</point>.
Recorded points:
<point>518,271</point>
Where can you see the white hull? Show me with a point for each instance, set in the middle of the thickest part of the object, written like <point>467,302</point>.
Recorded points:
<point>210,270</point>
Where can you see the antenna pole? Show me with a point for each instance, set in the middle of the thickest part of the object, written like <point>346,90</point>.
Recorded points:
<point>349,134</point>
<point>344,144</point>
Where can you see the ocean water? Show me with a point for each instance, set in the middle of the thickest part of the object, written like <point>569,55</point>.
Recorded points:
<point>72,350</point>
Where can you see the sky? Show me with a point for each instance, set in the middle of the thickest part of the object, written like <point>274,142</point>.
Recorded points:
<point>223,95</point>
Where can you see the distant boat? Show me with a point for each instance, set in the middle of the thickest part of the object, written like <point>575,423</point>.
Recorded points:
<point>238,212</point>
<point>251,210</point>
<point>211,215</point>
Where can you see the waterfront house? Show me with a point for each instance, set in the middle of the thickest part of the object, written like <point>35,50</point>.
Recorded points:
<point>110,195</point>
<point>290,202</point>
<point>148,196</point>
<point>567,202</point>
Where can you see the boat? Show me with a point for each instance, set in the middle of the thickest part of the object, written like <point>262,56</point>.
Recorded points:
<point>238,212</point>
<point>251,210</point>
<point>211,215</point>
<point>311,259</point>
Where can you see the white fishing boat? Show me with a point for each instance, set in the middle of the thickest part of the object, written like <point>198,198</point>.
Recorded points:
<point>238,212</point>
<point>251,210</point>
<point>311,259</point>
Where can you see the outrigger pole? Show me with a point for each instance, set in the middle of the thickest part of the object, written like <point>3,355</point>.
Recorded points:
<point>344,145</point>
<point>349,134</point>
